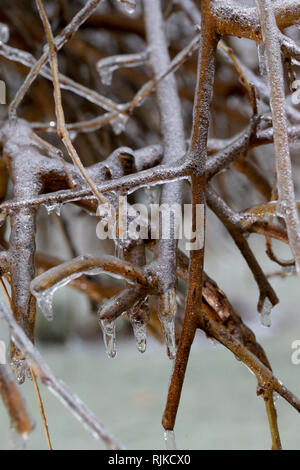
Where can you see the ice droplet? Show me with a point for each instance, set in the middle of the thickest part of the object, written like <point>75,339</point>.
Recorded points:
<point>4,33</point>
<point>266,312</point>
<point>109,335</point>
<point>170,440</point>
<point>128,5</point>
<point>119,123</point>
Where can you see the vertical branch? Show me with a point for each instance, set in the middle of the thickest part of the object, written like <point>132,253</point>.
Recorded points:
<point>287,207</point>
<point>174,148</point>
<point>61,125</point>
<point>197,160</point>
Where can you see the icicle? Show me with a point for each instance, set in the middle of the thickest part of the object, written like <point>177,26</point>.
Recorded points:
<point>20,368</point>
<point>119,123</point>
<point>53,207</point>
<point>73,135</point>
<point>4,33</point>
<point>139,316</point>
<point>167,311</point>
<point>106,74</point>
<point>17,441</point>
<point>170,441</point>
<point>266,312</point>
<point>109,335</point>
<point>289,270</point>
<point>283,209</point>
<point>128,5</point>
<point>140,332</point>
<point>3,216</point>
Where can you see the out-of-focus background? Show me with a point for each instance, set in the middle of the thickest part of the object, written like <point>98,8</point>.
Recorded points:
<point>219,408</point>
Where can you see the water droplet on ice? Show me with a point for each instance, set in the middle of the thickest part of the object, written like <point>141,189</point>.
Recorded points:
<point>109,335</point>
<point>170,440</point>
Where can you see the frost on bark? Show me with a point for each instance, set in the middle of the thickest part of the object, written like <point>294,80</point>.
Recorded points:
<point>105,98</point>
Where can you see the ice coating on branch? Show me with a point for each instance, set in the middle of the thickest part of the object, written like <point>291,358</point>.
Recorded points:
<point>166,314</point>
<point>128,6</point>
<point>4,33</point>
<point>108,65</point>
<point>266,312</point>
<point>109,335</point>
<point>170,440</point>
<point>45,297</point>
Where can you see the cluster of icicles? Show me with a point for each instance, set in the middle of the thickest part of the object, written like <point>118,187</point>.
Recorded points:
<point>138,314</point>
